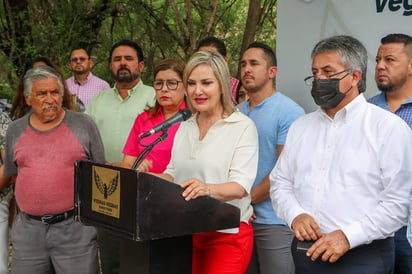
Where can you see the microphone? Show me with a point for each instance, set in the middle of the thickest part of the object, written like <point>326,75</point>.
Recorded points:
<point>182,115</point>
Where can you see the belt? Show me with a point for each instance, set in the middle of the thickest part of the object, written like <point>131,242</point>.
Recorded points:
<point>52,218</point>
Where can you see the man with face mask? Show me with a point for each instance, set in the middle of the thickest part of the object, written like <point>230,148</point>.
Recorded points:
<point>393,75</point>
<point>342,181</point>
<point>114,111</point>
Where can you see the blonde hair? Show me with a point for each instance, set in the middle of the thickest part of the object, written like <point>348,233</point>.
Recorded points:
<point>221,71</point>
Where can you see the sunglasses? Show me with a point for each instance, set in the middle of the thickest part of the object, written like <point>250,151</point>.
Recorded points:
<point>81,59</point>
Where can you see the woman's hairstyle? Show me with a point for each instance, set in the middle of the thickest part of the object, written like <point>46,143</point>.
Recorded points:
<point>174,64</point>
<point>221,71</point>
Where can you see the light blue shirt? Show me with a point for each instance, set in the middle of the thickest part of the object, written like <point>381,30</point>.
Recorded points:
<point>404,111</point>
<point>272,117</point>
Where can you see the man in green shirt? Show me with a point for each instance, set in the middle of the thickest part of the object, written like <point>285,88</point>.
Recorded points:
<point>114,111</point>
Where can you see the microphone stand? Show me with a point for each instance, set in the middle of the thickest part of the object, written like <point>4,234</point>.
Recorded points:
<point>148,148</point>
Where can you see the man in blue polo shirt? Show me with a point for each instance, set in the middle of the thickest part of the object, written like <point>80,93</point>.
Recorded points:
<point>273,113</point>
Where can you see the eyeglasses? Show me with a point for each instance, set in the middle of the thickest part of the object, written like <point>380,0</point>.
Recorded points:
<point>170,84</point>
<point>309,80</point>
<point>82,59</point>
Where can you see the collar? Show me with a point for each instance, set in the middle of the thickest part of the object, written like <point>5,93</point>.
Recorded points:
<point>236,116</point>
<point>261,104</point>
<point>85,81</point>
<point>130,91</point>
<point>381,101</point>
<point>348,112</point>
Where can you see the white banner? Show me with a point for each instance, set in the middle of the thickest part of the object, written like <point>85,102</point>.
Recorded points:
<point>302,23</point>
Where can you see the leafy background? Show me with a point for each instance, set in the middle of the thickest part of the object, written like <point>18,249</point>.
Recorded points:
<point>169,28</point>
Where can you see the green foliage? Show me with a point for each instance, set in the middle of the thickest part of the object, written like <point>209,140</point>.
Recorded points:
<point>168,28</point>
<point>6,91</point>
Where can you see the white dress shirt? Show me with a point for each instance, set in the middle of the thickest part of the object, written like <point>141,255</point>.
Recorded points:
<point>353,172</point>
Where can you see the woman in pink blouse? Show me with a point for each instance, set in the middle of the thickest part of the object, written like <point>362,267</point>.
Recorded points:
<point>170,99</point>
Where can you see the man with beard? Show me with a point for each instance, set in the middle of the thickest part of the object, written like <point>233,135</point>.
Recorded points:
<point>273,113</point>
<point>41,148</point>
<point>114,111</point>
<point>343,179</point>
<point>393,76</point>
<point>83,83</point>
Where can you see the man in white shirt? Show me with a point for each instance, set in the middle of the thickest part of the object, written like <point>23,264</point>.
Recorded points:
<point>343,178</point>
<point>393,76</point>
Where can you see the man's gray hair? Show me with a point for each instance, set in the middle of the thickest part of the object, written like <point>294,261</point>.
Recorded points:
<point>353,54</point>
<point>40,73</point>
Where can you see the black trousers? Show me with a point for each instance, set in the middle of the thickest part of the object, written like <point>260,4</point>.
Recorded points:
<point>109,245</point>
<point>375,258</point>
<point>164,256</point>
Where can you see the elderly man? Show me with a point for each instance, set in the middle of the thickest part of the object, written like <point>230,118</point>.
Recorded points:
<point>343,178</point>
<point>41,149</point>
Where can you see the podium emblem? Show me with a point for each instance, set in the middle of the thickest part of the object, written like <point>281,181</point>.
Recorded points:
<point>106,191</point>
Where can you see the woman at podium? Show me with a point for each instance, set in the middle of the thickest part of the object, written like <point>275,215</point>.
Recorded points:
<point>215,153</point>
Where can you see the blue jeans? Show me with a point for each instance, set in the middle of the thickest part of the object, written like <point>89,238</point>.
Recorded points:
<point>403,253</point>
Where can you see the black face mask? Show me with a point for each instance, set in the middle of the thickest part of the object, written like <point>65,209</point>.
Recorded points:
<point>326,92</point>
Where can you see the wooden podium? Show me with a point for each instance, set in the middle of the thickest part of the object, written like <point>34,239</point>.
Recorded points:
<point>150,213</point>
